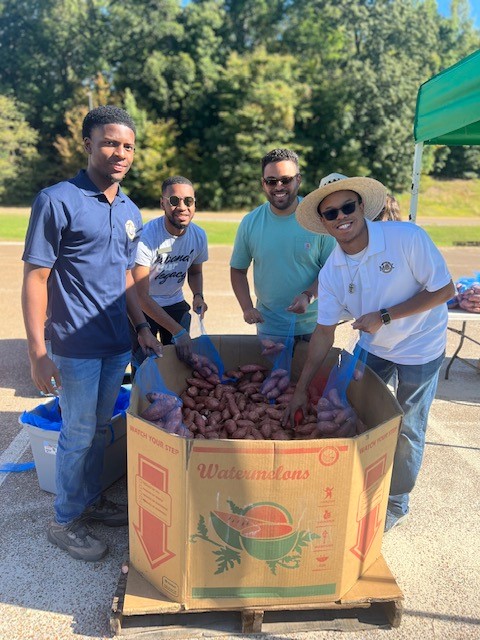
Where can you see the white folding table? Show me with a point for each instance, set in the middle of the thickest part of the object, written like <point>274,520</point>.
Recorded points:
<point>459,315</point>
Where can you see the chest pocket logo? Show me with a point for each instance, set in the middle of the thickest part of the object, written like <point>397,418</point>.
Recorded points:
<point>386,267</point>
<point>130,229</point>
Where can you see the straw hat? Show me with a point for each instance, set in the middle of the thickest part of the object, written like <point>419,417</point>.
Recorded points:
<point>372,192</point>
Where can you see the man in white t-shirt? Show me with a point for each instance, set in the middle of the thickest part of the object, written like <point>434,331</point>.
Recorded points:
<point>172,249</point>
<point>392,279</point>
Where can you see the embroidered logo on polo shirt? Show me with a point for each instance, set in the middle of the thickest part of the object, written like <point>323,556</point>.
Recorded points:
<point>386,267</point>
<point>130,229</point>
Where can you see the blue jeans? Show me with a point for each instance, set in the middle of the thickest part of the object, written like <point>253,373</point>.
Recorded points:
<point>416,387</point>
<point>90,388</point>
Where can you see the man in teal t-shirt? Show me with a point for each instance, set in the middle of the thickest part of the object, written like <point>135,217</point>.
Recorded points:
<point>286,257</point>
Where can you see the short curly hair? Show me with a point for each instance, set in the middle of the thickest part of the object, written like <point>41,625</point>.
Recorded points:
<point>175,180</point>
<point>106,114</point>
<point>279,155</point>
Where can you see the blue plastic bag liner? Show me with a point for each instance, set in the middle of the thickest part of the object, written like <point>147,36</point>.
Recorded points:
<point>48,416</point>
<point>279,350</point>
<point>165,408</point>
<point>204,353</point>
<point>467,294</point>
<point>45,416</point>
<point>350,365</point>
<point>16,467</point>
<point>335,417</point>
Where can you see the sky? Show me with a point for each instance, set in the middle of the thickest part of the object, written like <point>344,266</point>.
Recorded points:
<point>444,9</point>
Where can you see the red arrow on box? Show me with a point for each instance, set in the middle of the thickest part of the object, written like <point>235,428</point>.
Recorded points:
<point>368,509</point>
<point>154,512</point>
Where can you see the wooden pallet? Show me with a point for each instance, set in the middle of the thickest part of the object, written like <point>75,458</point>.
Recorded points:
<point>375,601</point>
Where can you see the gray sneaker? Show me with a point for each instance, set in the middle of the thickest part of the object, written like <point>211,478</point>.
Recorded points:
<point>392,520</point>
<point>77,540</point>
<point>107,512</point>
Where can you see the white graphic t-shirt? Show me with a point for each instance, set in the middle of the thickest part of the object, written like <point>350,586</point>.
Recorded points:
<point>169,258</point>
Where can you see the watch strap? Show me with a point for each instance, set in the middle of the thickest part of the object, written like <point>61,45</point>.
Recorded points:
<point>385,316</point>
<point>310,296</point>
<point>142,325</point>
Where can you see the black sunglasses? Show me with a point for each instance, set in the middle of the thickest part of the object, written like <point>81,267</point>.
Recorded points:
<point>175,200</point>
<point>272,182</point>
<point>332,214</point>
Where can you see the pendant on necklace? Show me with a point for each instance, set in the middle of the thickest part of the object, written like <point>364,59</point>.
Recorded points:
<point>351,287</point>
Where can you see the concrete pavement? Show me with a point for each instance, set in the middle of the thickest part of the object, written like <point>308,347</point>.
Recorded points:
<point>44,594</point>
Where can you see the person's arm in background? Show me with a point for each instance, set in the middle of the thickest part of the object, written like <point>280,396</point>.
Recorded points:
<point>34,306</point>
<point>301,302</point>
<point>195,281</point>
<point>242,259</point>
<point>241,289</point>
<point>146,339</point>
<point>318,348</point>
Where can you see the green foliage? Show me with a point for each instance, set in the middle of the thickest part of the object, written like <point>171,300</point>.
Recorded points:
<point>17,146</point>
<point>216,84</point>
<point>259,95</point>
<point>155,155</point>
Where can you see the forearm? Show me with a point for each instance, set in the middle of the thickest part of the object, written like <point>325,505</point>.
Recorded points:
<point>422,301</point>
<point>195,282</point>
<point>241,288</point>
<point>134,308</point>
<point>34,307</point>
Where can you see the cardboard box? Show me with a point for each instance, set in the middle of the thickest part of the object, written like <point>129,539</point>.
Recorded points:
<point>231,523</point>
<point>44,448</point>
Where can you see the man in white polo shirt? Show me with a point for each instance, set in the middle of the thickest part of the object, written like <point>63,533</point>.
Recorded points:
<point>392,279</point>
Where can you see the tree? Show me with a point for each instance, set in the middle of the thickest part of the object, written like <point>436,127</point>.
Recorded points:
<point>155,155</point>
<point>17,147</point>
<point>259,96</point>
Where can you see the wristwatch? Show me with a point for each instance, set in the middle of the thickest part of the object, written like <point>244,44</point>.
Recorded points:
<point>385,316</point>
<point>142,325</point>
<point>310,296</point>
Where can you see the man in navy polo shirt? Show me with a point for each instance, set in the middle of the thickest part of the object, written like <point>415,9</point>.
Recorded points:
<point>77,290</point>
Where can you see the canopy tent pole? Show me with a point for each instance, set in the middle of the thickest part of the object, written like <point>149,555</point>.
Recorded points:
<point>417,164</point>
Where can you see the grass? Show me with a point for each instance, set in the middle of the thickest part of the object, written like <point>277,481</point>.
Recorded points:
<point>438,199</point>
<point>444,199</point>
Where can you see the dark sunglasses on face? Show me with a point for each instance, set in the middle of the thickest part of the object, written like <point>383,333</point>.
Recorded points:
<point>272,182</point>
<point>175,200</point>
<point>332,214</point>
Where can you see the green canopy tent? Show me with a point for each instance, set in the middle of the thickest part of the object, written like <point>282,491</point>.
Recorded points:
<point>447,113</point>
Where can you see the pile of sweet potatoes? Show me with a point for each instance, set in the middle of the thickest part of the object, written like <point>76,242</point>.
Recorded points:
<point>250,404</point>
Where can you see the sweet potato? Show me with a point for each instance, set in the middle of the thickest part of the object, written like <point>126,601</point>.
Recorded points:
<point>245,423</point>
<point>212,403</point>
<point>273,394</point>
<point>236,374</point>
<point>327,427</point>
<point>343,415</point>
<point>160,407</point>
<point>240,433</point>
<point>306,428</point>
<point>251,368</point>
<point>200,383</point>
<point>325,415</point>
<point>187,400</point>
<point>335,399</point>
<point>233,407</point>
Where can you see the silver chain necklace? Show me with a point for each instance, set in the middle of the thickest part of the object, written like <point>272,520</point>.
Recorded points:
<point>351,286</point>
